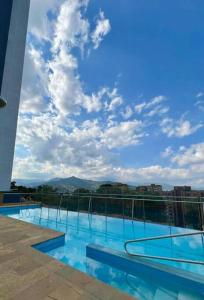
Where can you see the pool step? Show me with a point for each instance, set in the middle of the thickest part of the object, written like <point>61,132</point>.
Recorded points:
<point>181,279</point>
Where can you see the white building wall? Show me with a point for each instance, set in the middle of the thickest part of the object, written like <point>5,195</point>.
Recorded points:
<point>11,87</point>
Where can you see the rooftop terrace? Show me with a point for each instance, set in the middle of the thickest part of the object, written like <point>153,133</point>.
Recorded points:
<point>26,273</point>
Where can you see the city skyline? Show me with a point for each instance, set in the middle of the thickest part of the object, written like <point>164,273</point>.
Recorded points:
<point>113,92</point>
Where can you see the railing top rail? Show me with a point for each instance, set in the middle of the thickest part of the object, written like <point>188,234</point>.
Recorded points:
<point>146,199</point>
<point>165,199</point>
<point>108,194</point>
<point>136,195</point>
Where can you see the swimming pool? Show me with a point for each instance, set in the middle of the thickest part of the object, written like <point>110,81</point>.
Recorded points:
<point>82,229</point>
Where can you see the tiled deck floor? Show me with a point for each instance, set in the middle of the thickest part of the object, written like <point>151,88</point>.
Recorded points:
<point>27,274</point>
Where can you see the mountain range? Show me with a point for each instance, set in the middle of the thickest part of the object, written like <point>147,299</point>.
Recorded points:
<point>72,183</point>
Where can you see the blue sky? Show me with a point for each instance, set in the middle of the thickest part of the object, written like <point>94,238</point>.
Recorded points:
<point>113,92</point>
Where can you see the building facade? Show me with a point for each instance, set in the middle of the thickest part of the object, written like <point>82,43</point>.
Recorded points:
<point>13,29</point>
<point>153,188</point>
<point>187,207</point>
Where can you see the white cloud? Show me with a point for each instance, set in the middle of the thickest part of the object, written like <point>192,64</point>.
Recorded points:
<point>180,128</point>
<point>85,147</point>
<point>199,95</point>
<point>115,102</point>
<point>85,150</point>
<point>65,87</point>
<point>127,113</point>
<point>139,108</point>
<point>39,24</point>
<point>34,85</point>
<point>158,111</point>
<point>123,134</point>
<point>103,27</point>
<point>192,155</point>
<point>200,105</point>
<point>72,28</point>
<point>156,100</point>
<point>59,76</point>
<point>53,93</point>
<point>97,169</point>
<point>167,152</point>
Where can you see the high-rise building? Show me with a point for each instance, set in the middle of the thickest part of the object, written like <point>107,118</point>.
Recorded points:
<point>186,210</point>
<point>13,29</point>
<point>153,188</point>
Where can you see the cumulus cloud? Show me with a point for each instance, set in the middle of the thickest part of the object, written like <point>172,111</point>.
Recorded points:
<point>178,128</point>
<point>85,150</point>
<point>167,152</point>
<point>99,169</point>
<point>103,27</point>
<point>58,78</point>
<point>124,134</point>
<point>192,155</point>
<point>65,130</point>
<point>34,86</point>
<point>83,147</point>
<point>116,102</point>
<point>39,24</point>
<point>127,113</point>
<point>71,28</point>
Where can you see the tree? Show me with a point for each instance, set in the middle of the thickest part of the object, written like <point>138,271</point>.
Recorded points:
<point>13,185</point>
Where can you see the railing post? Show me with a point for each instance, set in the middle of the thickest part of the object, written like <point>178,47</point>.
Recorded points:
<point>200,213</point>
<point>143,207</point>
<point>106,207</point>
<point>78,202</point>
<point>90,201</point>
<point>68,205</point>
<point>59,206</point>
<point>48,215</point>
<point>61,198</point>
<point>40,213</point>
<point>123,209</point>
<point>133,206</point>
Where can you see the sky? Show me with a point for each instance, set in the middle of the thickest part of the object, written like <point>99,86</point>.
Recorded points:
<point>113,90</point>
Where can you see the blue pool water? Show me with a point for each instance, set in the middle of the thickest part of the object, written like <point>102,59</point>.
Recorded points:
<point>81,229</point>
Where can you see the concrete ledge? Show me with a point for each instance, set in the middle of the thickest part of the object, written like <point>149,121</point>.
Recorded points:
<point>135,266</point>
<point>50,244</point>
<point>17,207</point>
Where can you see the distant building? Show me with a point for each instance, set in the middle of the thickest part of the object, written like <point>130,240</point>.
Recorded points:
<point>182,211</point>
<point>182,189</point>
<point>153,188</point>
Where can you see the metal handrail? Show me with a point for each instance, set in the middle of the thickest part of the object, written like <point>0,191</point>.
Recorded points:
<point>121,196</point>
<point>162,257</point>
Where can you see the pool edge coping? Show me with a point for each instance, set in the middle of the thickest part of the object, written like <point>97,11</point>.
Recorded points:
<point>104,255</point>
<point>96,283</point>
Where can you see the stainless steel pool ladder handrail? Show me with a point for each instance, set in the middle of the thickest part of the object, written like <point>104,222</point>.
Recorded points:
<point>162,257</point>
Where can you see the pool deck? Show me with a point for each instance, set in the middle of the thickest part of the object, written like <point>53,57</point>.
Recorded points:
<point>27,274</point>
